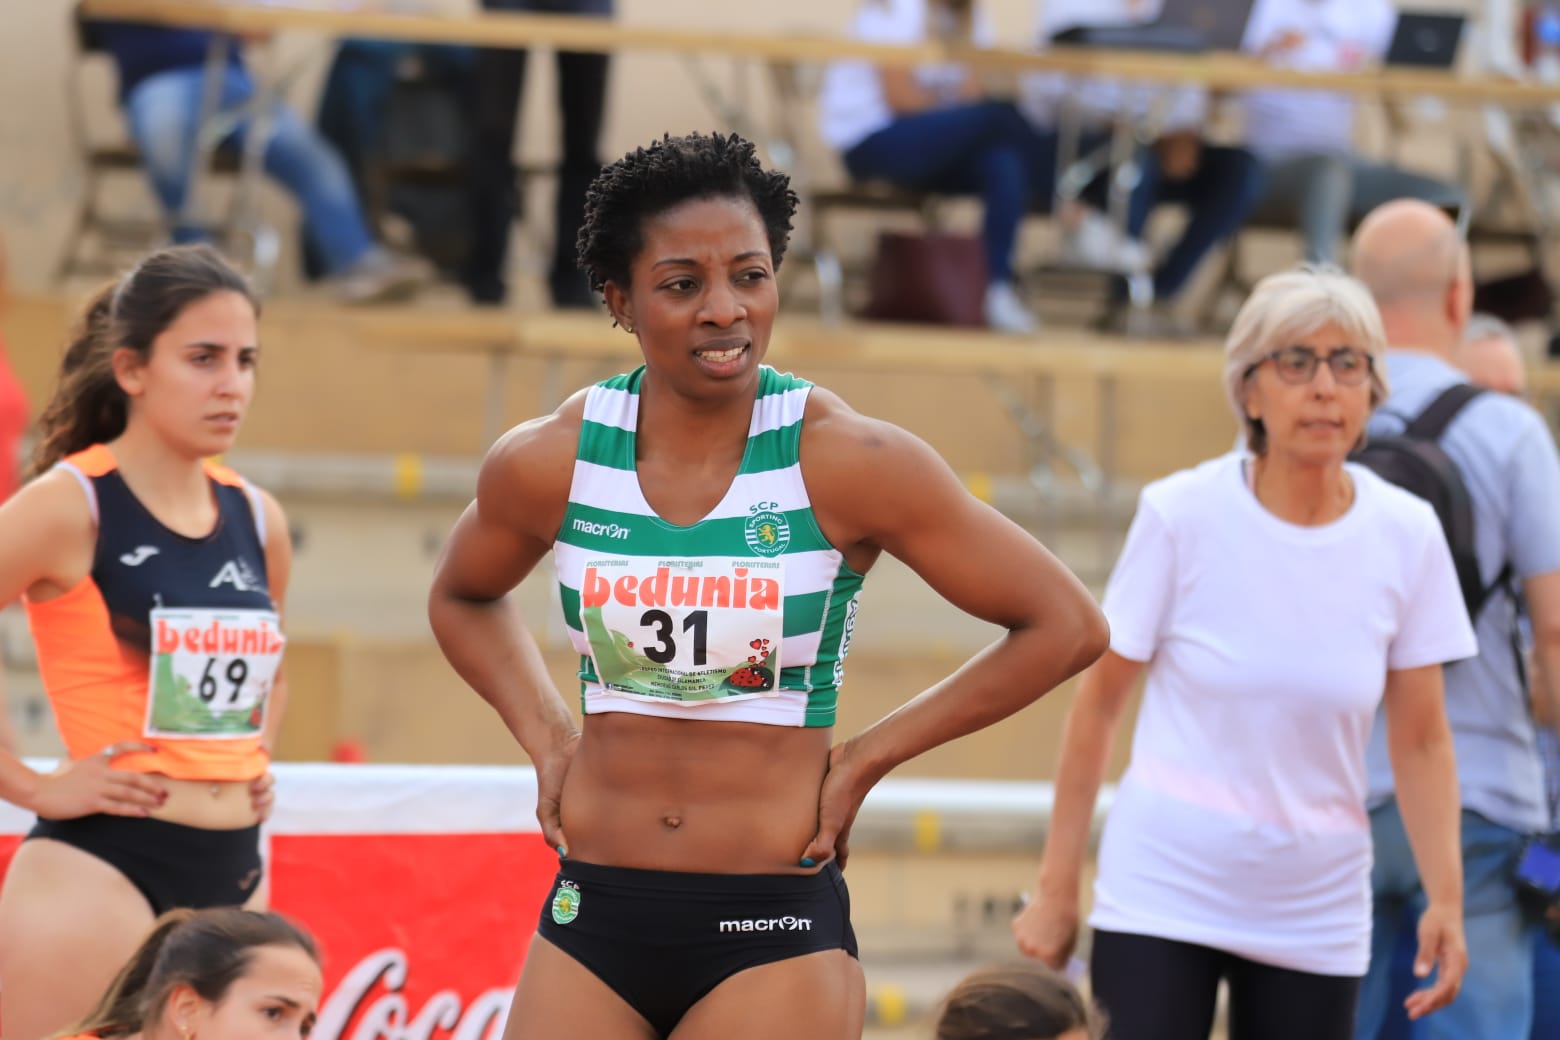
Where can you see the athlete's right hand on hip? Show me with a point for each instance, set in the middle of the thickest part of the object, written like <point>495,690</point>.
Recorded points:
<point>551,770</point>
<point>92,785</point>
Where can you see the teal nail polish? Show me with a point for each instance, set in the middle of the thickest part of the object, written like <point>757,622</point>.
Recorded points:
<point>807,861</point>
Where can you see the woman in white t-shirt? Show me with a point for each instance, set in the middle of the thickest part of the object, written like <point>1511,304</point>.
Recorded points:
<point>1275,599</point>
<point>930,128</point>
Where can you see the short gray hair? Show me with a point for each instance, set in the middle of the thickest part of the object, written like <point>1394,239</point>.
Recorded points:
<point>1487,326</point>
<point>1289,306</point>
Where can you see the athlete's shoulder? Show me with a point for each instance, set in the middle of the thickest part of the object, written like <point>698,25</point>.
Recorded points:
<point>526,474</point>
<point>846,452</point>
<point>59,498</point>
<point>544,439</point>
<point>833,426</point>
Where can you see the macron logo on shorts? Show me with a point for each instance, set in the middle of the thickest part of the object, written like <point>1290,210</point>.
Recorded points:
<point>768,924</point>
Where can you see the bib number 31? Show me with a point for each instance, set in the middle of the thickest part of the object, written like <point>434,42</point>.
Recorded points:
<point>698,630</point>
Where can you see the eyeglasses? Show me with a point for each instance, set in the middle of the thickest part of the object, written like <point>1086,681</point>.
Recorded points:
<point>1297,365</point>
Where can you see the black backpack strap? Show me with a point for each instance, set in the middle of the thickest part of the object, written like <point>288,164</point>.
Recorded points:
<point>1438,415</point>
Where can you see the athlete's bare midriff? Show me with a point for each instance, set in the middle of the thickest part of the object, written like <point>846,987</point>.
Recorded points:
<point>220,805</point>
<point>703,797</point>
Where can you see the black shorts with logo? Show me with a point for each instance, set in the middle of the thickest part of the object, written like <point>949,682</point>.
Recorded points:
<point>664,939</point>
<point>172,865</point>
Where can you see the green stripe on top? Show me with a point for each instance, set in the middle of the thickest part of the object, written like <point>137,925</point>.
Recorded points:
<point>773,449</point>
<point>606,445</point>
<point>778,524</point>
<point>604,530</point>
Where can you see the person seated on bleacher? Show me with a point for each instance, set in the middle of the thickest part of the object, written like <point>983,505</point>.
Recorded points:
<point>1306,137</point>
<point>932,129</point>
<point>1217,184</point>
<point>161,85</point>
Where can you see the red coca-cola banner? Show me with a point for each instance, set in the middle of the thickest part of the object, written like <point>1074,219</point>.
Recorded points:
<point>422,935</point>
<point>421,884</point>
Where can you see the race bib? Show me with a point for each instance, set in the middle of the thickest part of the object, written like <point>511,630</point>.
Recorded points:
<point>212,672</point>
<point>690,630</point>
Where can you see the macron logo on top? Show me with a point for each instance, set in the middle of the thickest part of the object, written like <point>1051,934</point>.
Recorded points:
<point>604,530</point>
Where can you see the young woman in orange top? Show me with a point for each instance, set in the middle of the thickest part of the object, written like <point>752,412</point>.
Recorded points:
<point>214,974</point>
<point>153,581</point>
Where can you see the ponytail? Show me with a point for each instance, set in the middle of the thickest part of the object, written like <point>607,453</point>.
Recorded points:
<point>88,406</point>
<point>121,1010</point>
<point>206,950</point>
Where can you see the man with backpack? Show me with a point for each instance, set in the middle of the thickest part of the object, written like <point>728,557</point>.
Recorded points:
<point>1490,458</point>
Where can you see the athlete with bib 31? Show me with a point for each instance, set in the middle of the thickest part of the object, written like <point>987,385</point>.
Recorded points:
<point>153,580</point>
<point>711,520</point>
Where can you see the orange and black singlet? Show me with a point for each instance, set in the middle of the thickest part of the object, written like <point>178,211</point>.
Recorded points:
<point>170,640</point>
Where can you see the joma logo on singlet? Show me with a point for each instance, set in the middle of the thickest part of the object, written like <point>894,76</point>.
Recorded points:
<point>237,574</point>
<point>604,530</point>
<point>768,924</point>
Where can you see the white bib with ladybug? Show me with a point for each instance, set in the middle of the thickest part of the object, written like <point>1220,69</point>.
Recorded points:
<point>212,672</point>
<point>693,630</point>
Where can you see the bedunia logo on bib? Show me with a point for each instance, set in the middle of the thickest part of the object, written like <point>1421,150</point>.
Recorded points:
<point>566,902</point>
<point>767,532</point>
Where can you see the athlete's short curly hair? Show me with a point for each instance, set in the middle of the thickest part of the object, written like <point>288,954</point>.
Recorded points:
<point>649,181</point>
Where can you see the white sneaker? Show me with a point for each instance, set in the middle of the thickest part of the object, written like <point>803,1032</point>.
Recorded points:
<point>1005,312</point>
<point>381,276</point>
<point>1096,243</point>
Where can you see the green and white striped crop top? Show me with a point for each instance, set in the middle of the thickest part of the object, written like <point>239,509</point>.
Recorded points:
<point>745,616</point>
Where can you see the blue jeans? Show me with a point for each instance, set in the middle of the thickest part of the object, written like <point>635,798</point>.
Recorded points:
<point>985,148</point>
<point>1218,197</point>
<point>1546,987</point>
<point>1497,994</point>
<point>163,111</point>
<point>1328,193</point>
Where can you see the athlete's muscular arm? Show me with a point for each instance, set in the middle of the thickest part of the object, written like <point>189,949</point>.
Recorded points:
<point>877,488</point>
<point>46,541</point>
<point>522,493</point>
<point>278,568</point>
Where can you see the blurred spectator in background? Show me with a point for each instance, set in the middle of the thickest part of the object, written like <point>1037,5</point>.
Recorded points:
<point>1307,137</point>
<point>1417,267</point>
<point>582,96</point>
<point>1237,847</point>
<point>13,400</point>
<point>1492,358</point>
<point>1021,1001</point>
<point>934,129</point>
<point>1218,185</point>
<point>13,424</point>
<point>161,84</point>
<point>399,114</point>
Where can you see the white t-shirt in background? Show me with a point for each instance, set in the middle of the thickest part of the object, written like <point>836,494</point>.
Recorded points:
<point>851,104</point>
<point>1337,36</point>
<point>1240,823</point>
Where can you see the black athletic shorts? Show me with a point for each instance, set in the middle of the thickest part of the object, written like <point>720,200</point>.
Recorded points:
<point>663,939</point>
<point>172,865</point>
